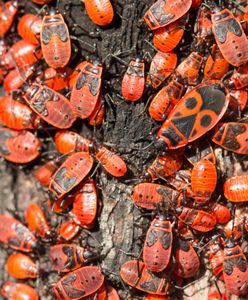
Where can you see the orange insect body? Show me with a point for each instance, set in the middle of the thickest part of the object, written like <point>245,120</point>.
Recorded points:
<point>162,12</point>
<point>216,258</point>
<point>157,297</point>
<point>165,100</point>
<point>96,118</point>
<point>55,41</point>
<point>86,91</point>
<point>151,195</point>
<point>68,141</point>
<point>21,266</point>
<point>188,70</point>
<point>232,136</point>
<point>161,67</point>
<point>51,106</point>
<point>70,173</point>
<point>203,180</point>
<point>99,11</point>
<point>203,24</point>
<point>44,173</point>
<point>19,146</point>
<point>216,66</point>
<point>100,294</point>
<point>239,78</point>
<point>68,230</point>
<point>230,37</point>
<point>135,274</point>
<point>111,162</point>
<point>29,27</point>
<point>36,221</point>
<point>16,235</point>
<point>112,293</point>
<point>236,188</point>
<point>165,39</point>
<point>187,262</point>
<point>165,165</point>
<point>217,296</point>
<point>195,114</point>
<point>68,257</point>
<point>56,79</point>
<point>221,213</point>
<point>197,219</point>
<point>18,291</point>
<point>73,77</point>
<point>235,269</point>
<point>8,11</point>
<point>83,282</point>
<point>17,115</point>
<point>85,204</point>
<point>158,244</point>
<point>238,100</point>
<point>16,78</point>
<point>133,82</point>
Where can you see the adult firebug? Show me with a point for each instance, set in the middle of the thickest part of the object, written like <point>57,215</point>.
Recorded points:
<point>79,283</point>
<point>37,221</point>
<point>51,106</point>
<point>19,146</point>
<point>100,12</point>
<point>86,91</point>
<point>236,188</point>
<point>232,136</point>
<point>161,67</point>
<point>165,100</point>
<point>203,180</point>
<point>68,257</point>
<point>17,115</point>
<point>195,114</point>
<point>216,257</point>
<point>21,266</point>
<point>230,37</point>
<point>14,291</point>
<point>235,269</point>
<point>133,82</point>
<point>158,244</point>
<point>16,235</point>
<point>135,274</point>
<point>55,40</point>
<point>162,12</point>
<point>199,220</point>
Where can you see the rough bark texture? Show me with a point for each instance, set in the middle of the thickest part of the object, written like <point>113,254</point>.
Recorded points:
<point>121,226</point>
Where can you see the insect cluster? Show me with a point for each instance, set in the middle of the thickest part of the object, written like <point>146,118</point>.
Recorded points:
<point>58,102</point>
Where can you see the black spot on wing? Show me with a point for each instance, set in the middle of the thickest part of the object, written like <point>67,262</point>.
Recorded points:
<point>185,124</point>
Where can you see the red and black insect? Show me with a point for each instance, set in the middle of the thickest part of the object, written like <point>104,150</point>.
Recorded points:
<point>14,291</point>
<point>165,100</point>
<point>221,212</point>
<point>216,257</point>
<point>236,188</point>
<point>165,165</point>
<point>158,244</point>
<point>162,12</point>
<point>17,115</point>
<point>79,283</point>
<point>86,90</point>
<point>203,180</point>
<point>56,79</point>
<point>75,168</point>
<point>21,266</point>
<point>232,136</point>
<point>51,106</point>
<point>37,221</point>
<point>44,173</point>
<point>216,295</point>
<point>133,82</point>
<point>166,38</point>
<point>151,195</point>
<point>187,262</point>
<point>97,116</point>
<point>235,269</point>
<point>135,274</point>
<point>85,204</point>
<point>68,230</point>
<point>100,12</point>
<point>68,257</point>
<point>238,79</point>
<point>8,11</point>
<point>197,219</point>
<point>203,24</point>
<point>55,40</point>
<point>230,37</point>
<point>16,235</point>
<point>195,114</point>
<point>161,67</point>
<point>100,294</point>
<point>19,146</point>
<point>112,293</point>
<point>29,27</point>
<point>237,101</point>
<point>68,141</point>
